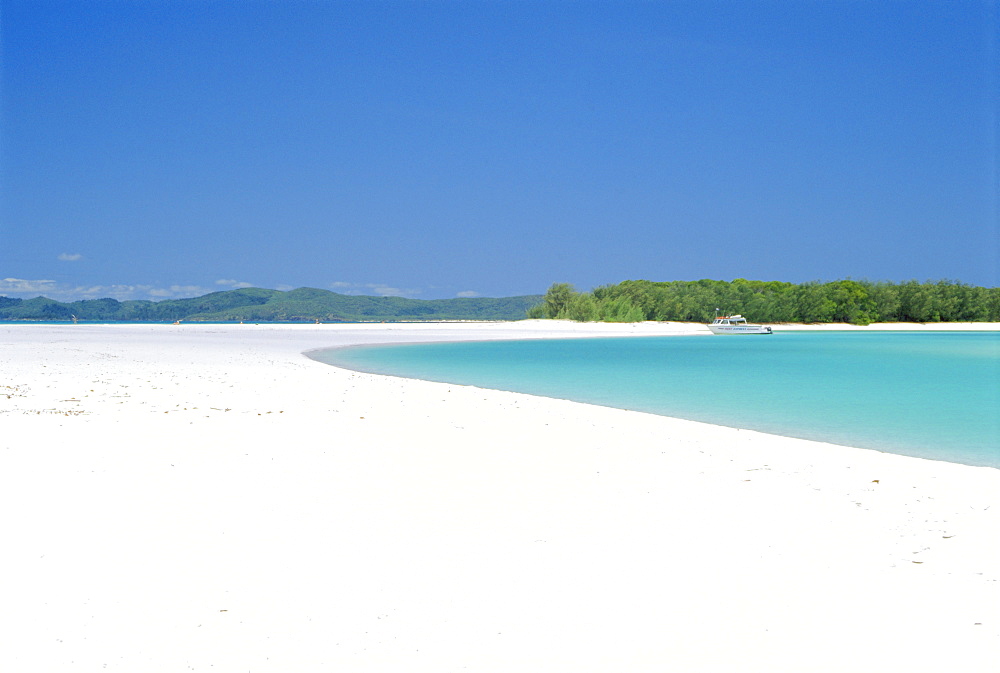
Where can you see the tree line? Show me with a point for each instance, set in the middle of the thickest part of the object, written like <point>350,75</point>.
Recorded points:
<point>860,302</point>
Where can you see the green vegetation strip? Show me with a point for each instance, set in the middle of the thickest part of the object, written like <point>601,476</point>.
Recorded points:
<point>842,301</point>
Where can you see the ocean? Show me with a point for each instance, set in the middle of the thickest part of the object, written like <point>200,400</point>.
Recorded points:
<point>932,395</point>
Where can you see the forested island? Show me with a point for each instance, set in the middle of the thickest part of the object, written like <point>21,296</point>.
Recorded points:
<point>845,301</point>
<point>262,305</point>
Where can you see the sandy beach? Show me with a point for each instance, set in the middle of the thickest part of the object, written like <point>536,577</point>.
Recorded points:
<point>208,498</point>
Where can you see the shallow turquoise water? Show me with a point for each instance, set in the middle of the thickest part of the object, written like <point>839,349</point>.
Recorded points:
<point>928,394</point>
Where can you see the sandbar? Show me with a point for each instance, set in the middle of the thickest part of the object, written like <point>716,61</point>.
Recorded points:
<point>207,497</point>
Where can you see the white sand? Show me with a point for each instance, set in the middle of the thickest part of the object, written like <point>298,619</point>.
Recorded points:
<point>206,498</point>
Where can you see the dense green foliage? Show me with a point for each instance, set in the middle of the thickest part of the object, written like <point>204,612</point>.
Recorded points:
<point>260,305</point>
<point>848,301</point>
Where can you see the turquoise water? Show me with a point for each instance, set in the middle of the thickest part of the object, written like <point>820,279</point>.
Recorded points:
<point>928,394</point>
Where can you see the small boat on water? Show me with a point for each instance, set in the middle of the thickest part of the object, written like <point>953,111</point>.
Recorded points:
<point>736,324</point>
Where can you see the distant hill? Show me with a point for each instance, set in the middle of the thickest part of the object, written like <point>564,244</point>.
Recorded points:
<point>261,305</point>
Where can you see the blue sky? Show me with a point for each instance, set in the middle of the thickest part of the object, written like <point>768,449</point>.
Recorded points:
<point>155,149</point>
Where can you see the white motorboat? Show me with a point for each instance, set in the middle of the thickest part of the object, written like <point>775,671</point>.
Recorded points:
<point>736,324</point>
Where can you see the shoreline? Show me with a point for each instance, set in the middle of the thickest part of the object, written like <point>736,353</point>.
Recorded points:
<point>974,459</point>
<point>208,495</point>
<point>693,327</point>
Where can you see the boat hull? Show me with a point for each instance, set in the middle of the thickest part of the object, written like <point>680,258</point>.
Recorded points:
<point>740,329</point>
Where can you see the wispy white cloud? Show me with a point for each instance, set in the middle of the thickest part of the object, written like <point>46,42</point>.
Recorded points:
<point>380,289</point>
<point>29,288</point>
<point>175,291</point>
<point>70,257</point>
<point>387,291</point>
<point>468,294</point>
<point>235,284</point>
<point>25,286</point>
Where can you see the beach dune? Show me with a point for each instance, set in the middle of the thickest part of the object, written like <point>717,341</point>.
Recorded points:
<point>207,497</point>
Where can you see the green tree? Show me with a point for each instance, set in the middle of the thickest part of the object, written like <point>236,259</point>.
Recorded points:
<point>812,304</point>
<point>850,300</point>
<point>884,299</point>
<point>917,303</point>
<point>621,309</point>
<point>557,299</point>
<point>582,308</point>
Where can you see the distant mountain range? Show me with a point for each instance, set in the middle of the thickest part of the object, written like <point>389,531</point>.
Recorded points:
<point>262,305</point>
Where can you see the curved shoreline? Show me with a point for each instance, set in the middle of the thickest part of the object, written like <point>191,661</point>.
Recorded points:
<point>205,495</point>
<point>948,449</point>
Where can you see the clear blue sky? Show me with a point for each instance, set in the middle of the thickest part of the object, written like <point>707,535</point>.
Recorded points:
<point>159,148</point>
